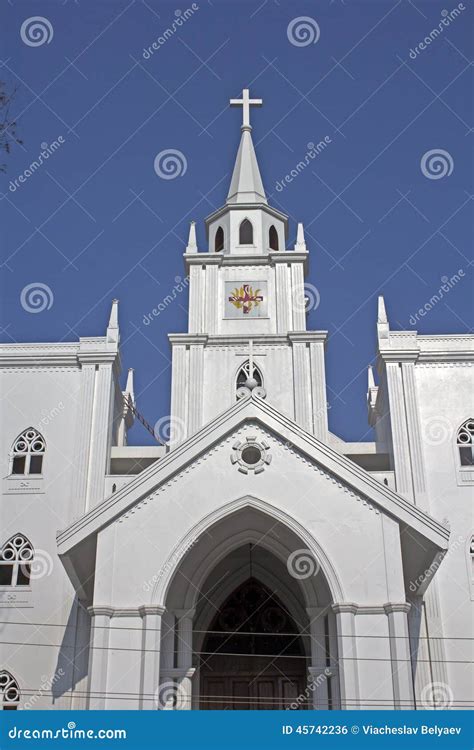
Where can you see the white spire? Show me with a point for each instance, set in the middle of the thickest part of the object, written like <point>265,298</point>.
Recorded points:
<point>372,393</point>
<point>192,244</point>
<point>113,327</point>
<point>129,386</point>
<point>382,313</point>
<point>246,185</point>
<point>300,240</point>
<point>370,378</point>
<point>383,327</point>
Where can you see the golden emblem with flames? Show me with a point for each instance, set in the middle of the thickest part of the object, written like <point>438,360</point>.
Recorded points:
<point>245,298</point>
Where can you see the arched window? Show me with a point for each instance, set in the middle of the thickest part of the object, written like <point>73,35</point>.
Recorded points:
<point>28,453</point>
<point>219,240</point>
<point>9,692</point>
<point>273,238</point>
<point>246,233</point>
<point>16,557</point>
<point>465,443</point>
<point>244,374</point>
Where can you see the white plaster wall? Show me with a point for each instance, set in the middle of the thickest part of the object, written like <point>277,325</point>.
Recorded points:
<point>47,400</point>
<point>374,661</point>
<point>445,398</point>
<point>276,367</point>
<point>125,655</point>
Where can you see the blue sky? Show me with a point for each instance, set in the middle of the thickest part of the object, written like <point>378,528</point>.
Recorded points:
<point>96,222</point>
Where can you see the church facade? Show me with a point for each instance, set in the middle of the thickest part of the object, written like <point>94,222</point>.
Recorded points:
<point>256,560</point>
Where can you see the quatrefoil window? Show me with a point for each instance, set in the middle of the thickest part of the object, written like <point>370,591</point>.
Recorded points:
<point>27,453</point>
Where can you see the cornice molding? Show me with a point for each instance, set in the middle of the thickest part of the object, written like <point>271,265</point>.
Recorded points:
<point>59,355</point>
<point>233,259</point>
<point>245,207</point>
<point>309,337</point>
<point>408,346</point>
<point>100,611</point>
<point>392,607</point>
<point>263,340</point>
<point>370,609</point>
<point>109,611</point>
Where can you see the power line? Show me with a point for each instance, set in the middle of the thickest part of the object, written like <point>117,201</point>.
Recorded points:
<point>242,632</point>
<point>209,698</point>
<point>235,654</point>
<point>152,696</point>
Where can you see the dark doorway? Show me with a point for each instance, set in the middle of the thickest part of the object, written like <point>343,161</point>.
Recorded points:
<point>253,656</point>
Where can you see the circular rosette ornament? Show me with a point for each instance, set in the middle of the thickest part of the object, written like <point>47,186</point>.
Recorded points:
<point>251,455</point>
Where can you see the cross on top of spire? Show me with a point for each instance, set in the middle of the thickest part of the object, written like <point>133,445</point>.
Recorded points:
<point>245,102</point>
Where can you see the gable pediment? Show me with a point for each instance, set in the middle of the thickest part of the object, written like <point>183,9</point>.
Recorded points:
<point>288,447</point>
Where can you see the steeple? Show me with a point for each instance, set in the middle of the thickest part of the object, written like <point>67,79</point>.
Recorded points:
<point>246,185</point>
<point>246,224</point>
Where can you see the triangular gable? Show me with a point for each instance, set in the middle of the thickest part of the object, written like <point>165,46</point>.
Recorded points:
<point>251,410</point>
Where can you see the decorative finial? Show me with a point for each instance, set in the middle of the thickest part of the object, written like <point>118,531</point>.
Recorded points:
<point>192,244</point>
<point>129,386</point>
<point>382,313</point>
<point>300,240</point>
<point>370,377</point>
<point>383,328</point>
<point>246,102</point>
<point>113,327</point>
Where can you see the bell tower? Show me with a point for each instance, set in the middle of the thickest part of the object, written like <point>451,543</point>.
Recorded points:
<point>247,309</point>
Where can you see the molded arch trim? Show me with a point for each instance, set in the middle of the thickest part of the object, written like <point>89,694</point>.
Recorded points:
<point>177,556</point>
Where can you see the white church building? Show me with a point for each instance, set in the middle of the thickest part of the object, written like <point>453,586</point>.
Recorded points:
<point>257,560</point>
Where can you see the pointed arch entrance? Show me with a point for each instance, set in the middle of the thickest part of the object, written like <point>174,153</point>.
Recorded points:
<point>236,571</point>
<point>253,656</point>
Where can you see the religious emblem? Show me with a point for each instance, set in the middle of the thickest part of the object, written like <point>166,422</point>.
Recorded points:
<point>245,298</point>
